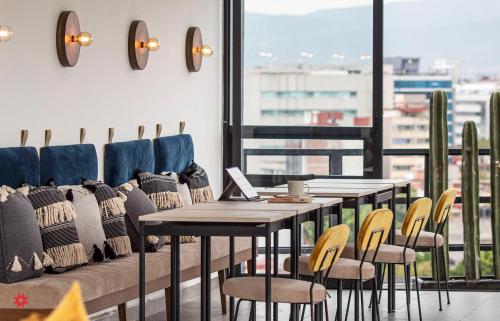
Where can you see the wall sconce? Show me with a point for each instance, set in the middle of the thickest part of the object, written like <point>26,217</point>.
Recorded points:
<point>69,38</point>
<point>195,49</point>
<point>139,45</point>
<point>5,33</point>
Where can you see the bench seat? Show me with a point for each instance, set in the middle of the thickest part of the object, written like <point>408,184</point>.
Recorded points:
<point>107,284</point>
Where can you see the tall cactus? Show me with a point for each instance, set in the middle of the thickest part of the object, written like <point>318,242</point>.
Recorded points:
<point>495,178</point>
<point>438,162</point>
<point>470,201</point>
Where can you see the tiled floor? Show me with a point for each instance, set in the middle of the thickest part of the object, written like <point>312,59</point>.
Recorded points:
<point>470,306</point>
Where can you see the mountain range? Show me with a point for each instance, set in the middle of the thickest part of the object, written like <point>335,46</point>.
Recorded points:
<point>463,31</point>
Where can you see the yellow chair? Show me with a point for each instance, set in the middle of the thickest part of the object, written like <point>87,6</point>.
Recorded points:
<point>373,232</point>
<point>284,290</point>
<point>71,308</point>
<point>435,239</point>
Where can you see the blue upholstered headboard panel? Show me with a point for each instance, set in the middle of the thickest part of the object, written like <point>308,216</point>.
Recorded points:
<point>67,165</point>
<point>173,153</point>
<point>19,165</point>
<point>121,160</point>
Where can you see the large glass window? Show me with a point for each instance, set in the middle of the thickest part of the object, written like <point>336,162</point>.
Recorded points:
<point>308,63</point>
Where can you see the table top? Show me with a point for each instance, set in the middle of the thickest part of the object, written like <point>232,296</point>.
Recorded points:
<point>340,185</point>
<point>218,216</point>
<point>298,208</point>
<point>398,182</point>
<point>321,191</point>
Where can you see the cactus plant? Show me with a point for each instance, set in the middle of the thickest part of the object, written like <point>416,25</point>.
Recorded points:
<point>495,178</point>
<point>438,161</point>
<point>470,201</point>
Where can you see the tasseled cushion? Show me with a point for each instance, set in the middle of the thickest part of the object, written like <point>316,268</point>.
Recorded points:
<point>112,208</point>
<point>197,180</point>
<point>137,204</point>
<point>161,189</point>
<point>56,219</point>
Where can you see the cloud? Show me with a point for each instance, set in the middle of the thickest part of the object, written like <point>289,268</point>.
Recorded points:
<point>301,7</point>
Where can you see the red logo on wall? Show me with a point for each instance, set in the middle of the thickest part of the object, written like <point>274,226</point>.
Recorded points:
<point>20,300</point>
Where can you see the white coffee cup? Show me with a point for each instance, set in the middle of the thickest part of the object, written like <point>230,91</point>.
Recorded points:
<point>296,188</point>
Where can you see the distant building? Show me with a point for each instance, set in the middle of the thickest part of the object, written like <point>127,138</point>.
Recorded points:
<point>404,65</point>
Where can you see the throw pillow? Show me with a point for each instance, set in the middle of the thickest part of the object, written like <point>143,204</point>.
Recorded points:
<point>112,209</point>
<point>162,190</point>
<point>182,188</point>
<point>137,204</point>
<point>88,221</point>
<point>56,219</point>
<point>21,250</point>
<point>197,180</point>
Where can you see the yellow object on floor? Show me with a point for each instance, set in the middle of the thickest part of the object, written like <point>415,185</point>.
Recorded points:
<point>71,308</point>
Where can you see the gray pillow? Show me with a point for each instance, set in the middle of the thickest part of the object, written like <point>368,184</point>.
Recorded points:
<point>21,251</point>
<point>112,209</point>
<point>88,220</point>
<point>137,204</point>
<point>56,219</point>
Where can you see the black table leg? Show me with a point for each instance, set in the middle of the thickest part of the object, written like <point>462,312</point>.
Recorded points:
<point>268,277</point>
<point>142,275</point>
<point>339,215</point>
<point>253,273</point>
<point>205,279</point>
<point>174,278</point>
<point>294,268</point>
<point>319,226</point>
<point>356,231</point>
<point>391,278</point>
<point>231,275</point>
<point>275,268</point>
<point>339,299</point>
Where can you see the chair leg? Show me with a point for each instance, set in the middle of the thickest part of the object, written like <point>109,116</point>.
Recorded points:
<point>338,315</point>
<point>408,275</point>
<point>438,277</point>
<point>312,312</point>
<point>326,310</point>
<point>252,311</point>
<point>445,276</point>
<point>303,312</point>
<point>237,310</point>
<point>223,301</point>
<point>122,311</point>
<point>168,305</point>
<point>407,288</point>
<point>349,300</point>
<point>381,285</point>
<point>418,293</point>
<point>375,310</point>
<point>361,292</point>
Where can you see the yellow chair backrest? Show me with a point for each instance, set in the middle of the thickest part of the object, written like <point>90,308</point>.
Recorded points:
<point>377,221</point>
<point>71,308</point>
<point>444,204</point>
<point>416,216</point>
<point>335,238</point>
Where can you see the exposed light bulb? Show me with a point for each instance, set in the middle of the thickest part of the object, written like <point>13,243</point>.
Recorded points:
<point>5,33</point>
<point>153,44</point>
<point>206,51</point>
<point>85,39</point>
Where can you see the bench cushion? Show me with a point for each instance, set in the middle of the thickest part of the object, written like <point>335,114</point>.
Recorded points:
<point>104,279</point>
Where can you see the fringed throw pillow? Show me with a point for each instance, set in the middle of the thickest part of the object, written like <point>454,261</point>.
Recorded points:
<point>197,180</point>
<point>162,190</point>
<point>21,250</point>
<point>182,188</point>
<point>137,204</point>
<point>56,219</point>
<point>88,221</point>
<point>112,208</point>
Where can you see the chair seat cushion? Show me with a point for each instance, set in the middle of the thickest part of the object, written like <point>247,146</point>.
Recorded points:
<point>283,290</point>
<point>345,269</point>
<point>425,239</point>
<point>386,254</point>
<point>104,279</point>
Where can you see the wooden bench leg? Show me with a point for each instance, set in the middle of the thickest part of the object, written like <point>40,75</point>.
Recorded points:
<point>168,306</point>
<point>122,311</point>
<point>223,301</point>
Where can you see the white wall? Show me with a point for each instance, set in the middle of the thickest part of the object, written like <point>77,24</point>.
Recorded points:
<point>102,90</point>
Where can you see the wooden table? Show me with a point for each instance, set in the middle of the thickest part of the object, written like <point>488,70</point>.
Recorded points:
<point>315,212</point>
<point>352,198</point>
<point>230,219</point>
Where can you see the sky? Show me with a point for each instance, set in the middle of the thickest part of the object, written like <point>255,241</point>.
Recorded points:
<point>300,7</point>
